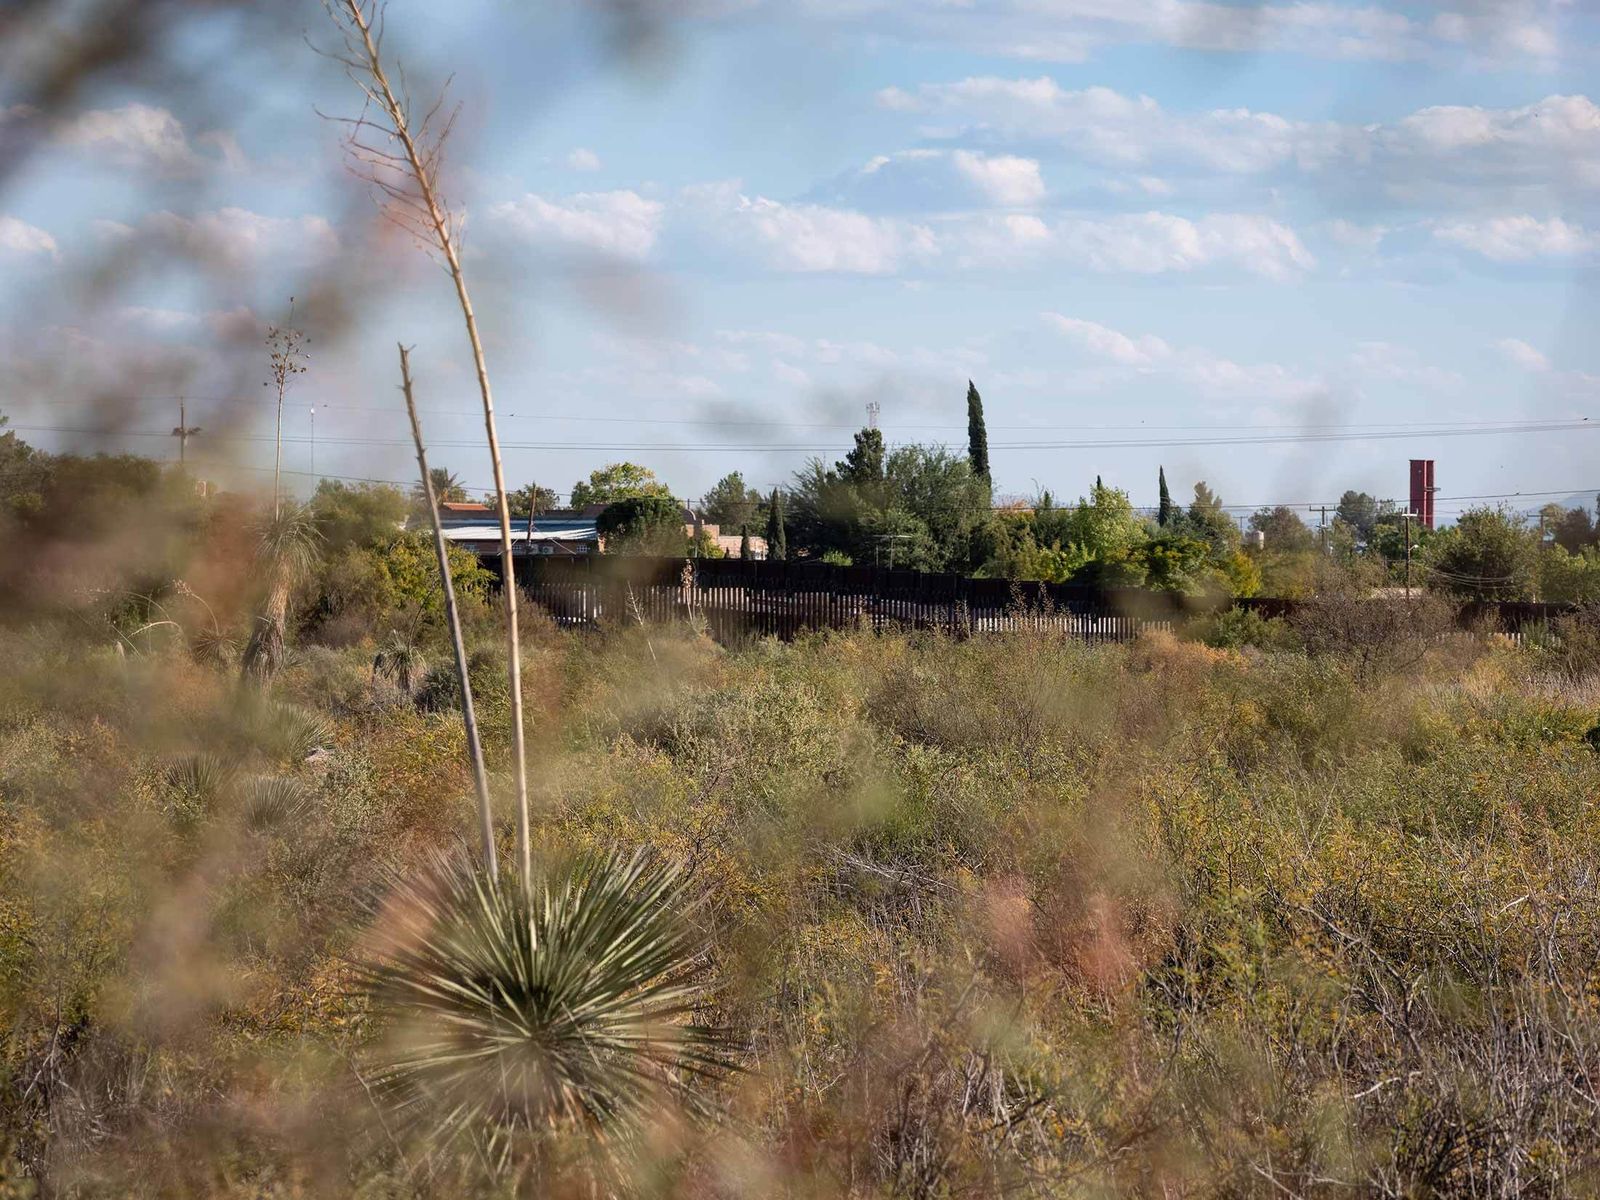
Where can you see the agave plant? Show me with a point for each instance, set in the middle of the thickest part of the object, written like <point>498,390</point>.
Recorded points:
<point>518,1013</point>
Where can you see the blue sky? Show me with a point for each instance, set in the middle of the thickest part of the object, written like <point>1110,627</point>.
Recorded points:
<point>1149,221</point>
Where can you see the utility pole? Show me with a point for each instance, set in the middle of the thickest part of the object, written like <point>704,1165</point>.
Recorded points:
<point>1408,515</point>
<point>313,445</point>
<point>1322,530</point>
<point>184,431</point>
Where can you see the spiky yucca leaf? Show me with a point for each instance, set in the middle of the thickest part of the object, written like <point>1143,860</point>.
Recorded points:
<point>196,783</point>
<point>200,777</point>
<point>287,731</point>
<point>517,1015</point>
<point>271,800</point>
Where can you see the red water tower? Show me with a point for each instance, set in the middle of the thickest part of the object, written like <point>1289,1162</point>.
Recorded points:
<point>1422,490</point>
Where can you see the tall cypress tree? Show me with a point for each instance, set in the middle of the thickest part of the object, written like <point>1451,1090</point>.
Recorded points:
<point>977,435</point>
<point>1165,513</point>
<point>777,535</point>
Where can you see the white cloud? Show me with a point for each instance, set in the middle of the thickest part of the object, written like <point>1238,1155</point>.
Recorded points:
<point>619,224</point>
<point>1206,372</point>
<point>135,135</point>
<point>1070,30</point>
<point>583,159</point>
<point>1449,155</point>
<point>810,237</point>
<point>818,238</point>
<point>1104,342</point>
<point>1119,130</point>
<point>1004,179</point>
<point>1520,354</point>
<point>1389,363</point>
<point>236,238</point>
<point>1356,237</point>
<point>18,237</point>
<point>1155,243</point>
<point>944,180</point>
<point>1516,239</point>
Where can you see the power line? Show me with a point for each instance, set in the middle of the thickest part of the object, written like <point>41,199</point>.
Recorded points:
<point>1285,438</point>
<point>1399,427</point>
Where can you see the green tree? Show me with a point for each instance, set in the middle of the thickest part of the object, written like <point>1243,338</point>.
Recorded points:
<point>1573,530</point>
<point>1567,578</point>
<point>731,503</point>
<point>1359,511</point>
<point>447,487</point>
<point>977,435</point>
<point>1490,553</point>
<point>1283,529</point>
<point>617,481</point>
<point>1166,511</point>
<point>926,496</point>
<point>530,500</point>
<point>864,467</point>
<point>23,475</point>
<point>1210,522</point>
<point>643,525</point>
<point>777,532</point>
<point>1105,525</point>
<point>361,514</point>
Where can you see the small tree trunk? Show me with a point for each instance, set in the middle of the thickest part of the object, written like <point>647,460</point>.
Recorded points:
<point>264,652</point>
<point>469,715</point>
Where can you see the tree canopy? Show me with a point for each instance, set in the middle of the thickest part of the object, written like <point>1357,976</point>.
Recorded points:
<point>617,481</point>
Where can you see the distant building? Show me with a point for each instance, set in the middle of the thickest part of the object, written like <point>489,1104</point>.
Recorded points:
<point>1422,490</point>
<point>558,532</point>
<point>464,508</point>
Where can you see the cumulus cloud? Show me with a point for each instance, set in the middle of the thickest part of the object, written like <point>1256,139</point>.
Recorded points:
<point>619,224</point>
<point>134,136</point>
<point>1104,342</point>
<point>19,238</point>
<point>809,237</point>
<point>583,159</point>
<point>1520,354</point>
<point>1118,130</point>
<point>1071,30</point>
<point>234,239</point>
<point>1004,178</point>
<point>1518,239</point>
<point>924,178</point>
<point>1445,154</point>
<point>1150,243</point>
<point>1206,372</point>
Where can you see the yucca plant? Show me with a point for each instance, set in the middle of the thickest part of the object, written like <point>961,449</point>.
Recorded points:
<point>195,784</point>
<point>287,552</point>
<point>399,660</point>
<point>273,800</point>
<point>518,1014</point>
<point>287,731</point>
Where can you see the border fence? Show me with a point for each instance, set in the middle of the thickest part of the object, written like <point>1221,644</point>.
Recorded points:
<point>737,599</point>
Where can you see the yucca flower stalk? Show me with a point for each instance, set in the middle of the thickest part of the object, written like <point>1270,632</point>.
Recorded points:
<point>521,1014</point>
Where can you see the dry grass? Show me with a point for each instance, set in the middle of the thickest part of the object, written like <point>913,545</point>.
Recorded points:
<point>1002,915</point>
